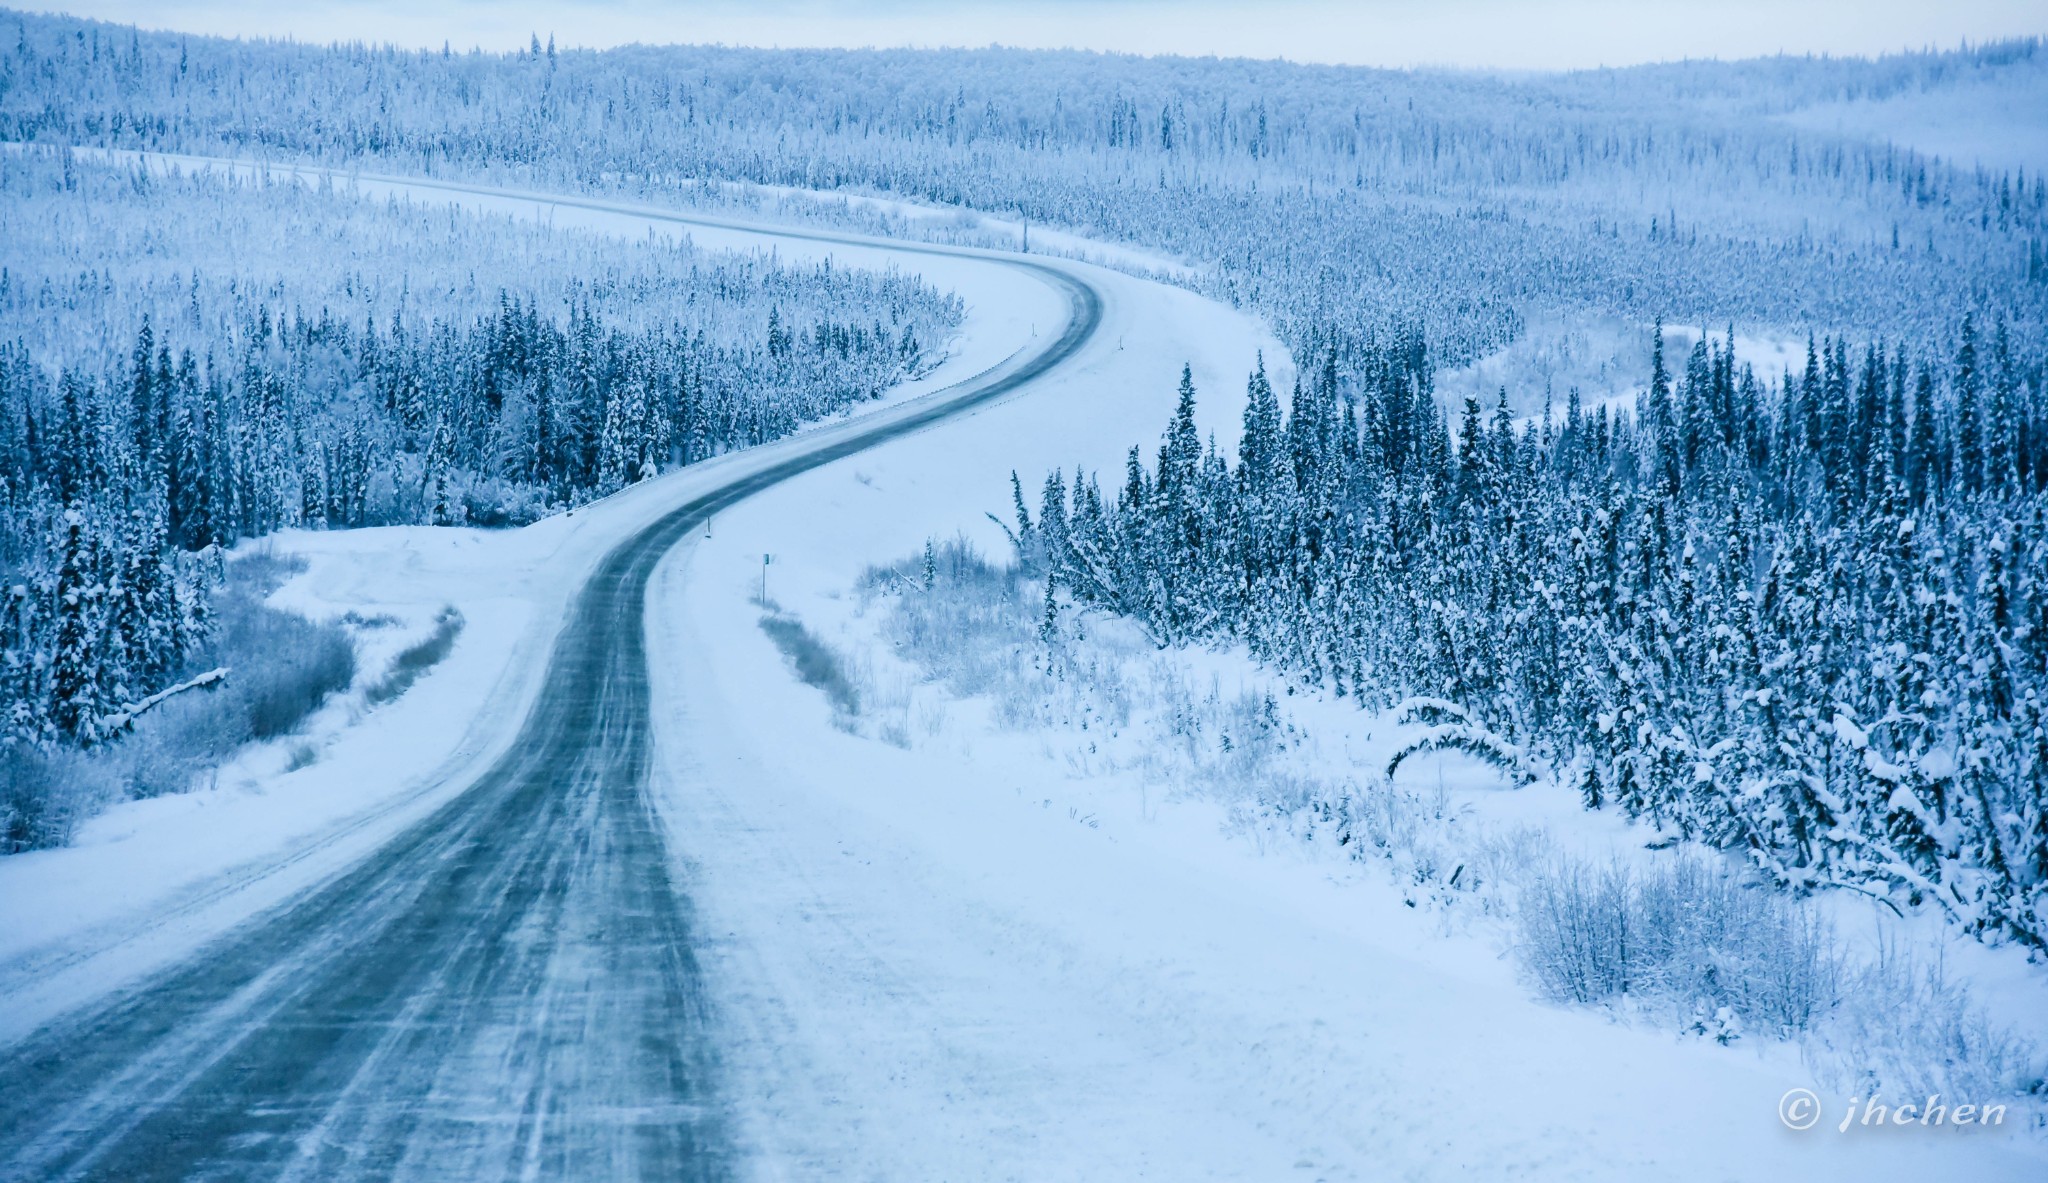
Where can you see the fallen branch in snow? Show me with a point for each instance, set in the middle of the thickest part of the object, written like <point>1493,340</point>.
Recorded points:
<point>124,718</point>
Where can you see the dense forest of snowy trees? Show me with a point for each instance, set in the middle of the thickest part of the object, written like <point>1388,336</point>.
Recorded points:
<point>1335,200</point>
<point>1805,618</point>
<point>350,364</point>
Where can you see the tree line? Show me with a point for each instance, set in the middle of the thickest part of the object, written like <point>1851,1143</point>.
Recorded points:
<point>1333,200</point>
<point>1803,617</point>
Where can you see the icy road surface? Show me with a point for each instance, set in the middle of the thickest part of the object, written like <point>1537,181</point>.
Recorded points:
<point>506,990</point>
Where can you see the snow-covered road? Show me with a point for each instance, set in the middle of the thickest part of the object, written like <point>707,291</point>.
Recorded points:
<point>148,881</point>
<point>508,986</point>
<point>885,963</point>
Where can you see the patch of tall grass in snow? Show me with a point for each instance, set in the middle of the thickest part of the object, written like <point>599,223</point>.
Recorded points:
<point>416,659</point>
<point>816,664</point>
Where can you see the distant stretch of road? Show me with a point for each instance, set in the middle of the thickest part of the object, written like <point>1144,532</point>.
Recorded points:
<point>506,990</point>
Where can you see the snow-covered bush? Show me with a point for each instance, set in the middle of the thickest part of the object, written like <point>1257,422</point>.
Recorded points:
<point>955,615</point>
<point>1684,935</point>
<point>1904,1027</point>
<point>975,628</point>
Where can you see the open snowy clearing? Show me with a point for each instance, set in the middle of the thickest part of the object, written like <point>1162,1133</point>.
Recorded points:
<point>1982,123</point>
<point>923,964</point>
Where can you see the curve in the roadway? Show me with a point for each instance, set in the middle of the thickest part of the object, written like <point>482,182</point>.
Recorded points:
<point>507,989</point>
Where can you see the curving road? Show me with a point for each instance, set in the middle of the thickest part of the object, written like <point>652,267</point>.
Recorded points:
<point>507,989</point>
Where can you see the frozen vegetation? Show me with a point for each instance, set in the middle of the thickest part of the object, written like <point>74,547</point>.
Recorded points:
<point>273,668</point>
<point>1803,620</point>
<point>191,360</point>
<point>1761,601</point>
<point>1343,203</point>
<point>1672,935</point>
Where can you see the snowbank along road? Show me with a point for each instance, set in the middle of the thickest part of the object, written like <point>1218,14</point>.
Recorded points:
<point>508,988</point>
<point>675,920</point>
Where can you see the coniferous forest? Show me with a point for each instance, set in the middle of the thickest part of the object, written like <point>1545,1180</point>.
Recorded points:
<point>1333,200</point>
<point>1804,617</point>
<point>306,359</point>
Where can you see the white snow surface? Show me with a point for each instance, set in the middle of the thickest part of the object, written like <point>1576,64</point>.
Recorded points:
<point>1996,122</point>
<point>933,963</point>
<point>923,965</point>
<point>944,223</point>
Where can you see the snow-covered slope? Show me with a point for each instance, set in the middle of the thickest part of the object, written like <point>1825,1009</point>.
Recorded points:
<point>150,880</point>
<point>931,965</point>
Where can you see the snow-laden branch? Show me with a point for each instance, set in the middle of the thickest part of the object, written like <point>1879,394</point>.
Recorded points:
<point>1464,735</point>
<point>122,719</point>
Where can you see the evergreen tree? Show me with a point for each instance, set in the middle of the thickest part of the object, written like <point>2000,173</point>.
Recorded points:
<point>1844,687</point>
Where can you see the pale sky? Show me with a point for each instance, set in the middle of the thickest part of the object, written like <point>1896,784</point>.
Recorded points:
<point>1511,34</point>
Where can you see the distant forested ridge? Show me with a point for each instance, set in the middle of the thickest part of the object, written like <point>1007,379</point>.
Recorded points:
<point>350,364</point>
<point>1340,201</point>
<point>1805,619</point>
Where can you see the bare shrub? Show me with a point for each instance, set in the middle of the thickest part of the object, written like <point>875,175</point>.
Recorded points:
<point>1576,936</point>
<point>1685,935</point>
<point>281,691</point>
<point>964,620</point>
<point>282,665</point>
<point>46,794</point>
<point>1904,1028</point>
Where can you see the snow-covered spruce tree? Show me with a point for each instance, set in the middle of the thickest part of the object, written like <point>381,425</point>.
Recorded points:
<point>153,413</point>
<point>1766,615</point>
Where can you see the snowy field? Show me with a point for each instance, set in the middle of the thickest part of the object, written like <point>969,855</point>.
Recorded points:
<point>1106,908</point>
<point>982,951</point>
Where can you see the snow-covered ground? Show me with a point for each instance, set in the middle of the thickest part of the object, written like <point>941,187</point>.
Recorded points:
<point>1607,361</point>
<point>950,224</point>
<point>974,957</point>
<point>149,880</point>
<point>1999,121</point>
<point>964,958</point>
